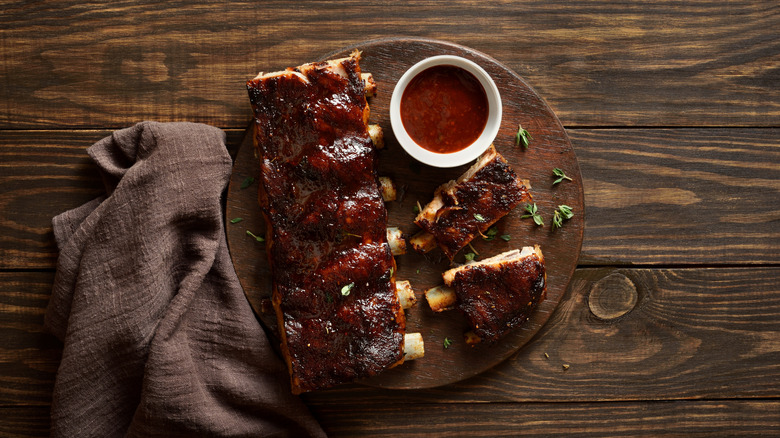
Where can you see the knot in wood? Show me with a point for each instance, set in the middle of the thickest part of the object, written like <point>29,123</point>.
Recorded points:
<point>612,297</point>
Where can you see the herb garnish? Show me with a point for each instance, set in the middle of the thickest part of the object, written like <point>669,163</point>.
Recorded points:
<point>479,217</point>
<point>470,256</point>
<point>533,212</point>
<point>447,343</point>
<point>247,182</point>
<point>258,238</point>
<point>236,220</point>
<point>566,211</point>
<point>490,234</point>
<point>347,289</point>
<point>563,212</point>
<point>523,137</point>
<point>506,237</point>
<point>561,176</point>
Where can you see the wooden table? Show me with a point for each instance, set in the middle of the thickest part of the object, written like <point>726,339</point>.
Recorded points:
<point>671,324</point>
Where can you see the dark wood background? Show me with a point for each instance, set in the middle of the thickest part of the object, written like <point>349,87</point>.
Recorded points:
<point>672,322</point>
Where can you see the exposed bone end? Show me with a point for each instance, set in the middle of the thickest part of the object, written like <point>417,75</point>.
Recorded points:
<point>368,80</point>
<point>423,242</point>
<point>387,187</point>
<point>472,338</point>
<point>377,136</point>
<point>441,298</point>
<point>428,213</point>
<point>405,294</point>
<point>395,238</point>
<point>414,348</point>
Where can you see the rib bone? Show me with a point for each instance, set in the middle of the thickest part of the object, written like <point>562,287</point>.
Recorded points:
<point>405,294</point>
<point>395,238</point>
<point>441,298</point>
<point>387,187</point>
<point>414,348</point>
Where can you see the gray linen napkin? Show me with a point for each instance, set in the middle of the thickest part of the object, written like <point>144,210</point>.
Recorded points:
<point>159,339</point>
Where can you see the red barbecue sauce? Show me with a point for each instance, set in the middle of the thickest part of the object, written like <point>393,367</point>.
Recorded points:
<point>444,109</point>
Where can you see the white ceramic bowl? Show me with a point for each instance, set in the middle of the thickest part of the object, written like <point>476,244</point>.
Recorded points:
<point>462,156</point>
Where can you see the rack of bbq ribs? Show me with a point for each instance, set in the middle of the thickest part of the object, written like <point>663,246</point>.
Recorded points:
<point>339,307</point>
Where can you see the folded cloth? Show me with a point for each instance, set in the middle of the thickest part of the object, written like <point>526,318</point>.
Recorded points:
<point>159,339</point>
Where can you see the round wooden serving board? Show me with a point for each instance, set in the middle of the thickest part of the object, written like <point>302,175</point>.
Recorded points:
<point>387,60</point>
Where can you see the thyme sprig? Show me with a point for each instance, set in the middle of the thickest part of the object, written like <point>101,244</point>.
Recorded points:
<point>258,238</point>
<point>563,212</point>
<point>533,212</point>
<point>523,137</point>
<point>560,174</point>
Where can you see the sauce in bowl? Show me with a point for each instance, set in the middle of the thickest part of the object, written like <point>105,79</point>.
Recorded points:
<point>444,109</point>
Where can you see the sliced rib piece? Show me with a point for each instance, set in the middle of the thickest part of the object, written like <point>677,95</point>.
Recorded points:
<point>498,293</point>
<point>468,206</point>
<point>334,288</point>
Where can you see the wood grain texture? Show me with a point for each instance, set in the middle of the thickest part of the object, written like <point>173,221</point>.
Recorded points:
<point>667,197</point>
<point>654,419</point>
<point>680,196</point>
<point>701,418</point>
<point>387,62</point>
<point>663,63</point>
<point>24,421</point>
<point>29,356</point>
<point>695,334</point>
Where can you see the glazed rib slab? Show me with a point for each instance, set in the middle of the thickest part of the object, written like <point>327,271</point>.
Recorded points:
<point>464,208</point>
<point>333,272</point>
<point>499,293</point>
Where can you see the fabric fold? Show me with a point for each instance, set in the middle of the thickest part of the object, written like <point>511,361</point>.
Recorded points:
<point>159,339</point>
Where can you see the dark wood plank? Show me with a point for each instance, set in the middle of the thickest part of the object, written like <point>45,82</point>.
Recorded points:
<point>24,421</point>
<point>678,196</point>
<point>42,174</point>
<point>29,356</point>
<point>70,64</point>
<point>693,334</point>
<point>682,418</point>
<point>551,148</point>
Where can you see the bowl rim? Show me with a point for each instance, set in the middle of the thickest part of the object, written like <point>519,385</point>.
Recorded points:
<point>469,153</point>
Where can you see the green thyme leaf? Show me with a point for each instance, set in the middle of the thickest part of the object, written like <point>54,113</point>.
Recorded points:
<point>563,212</point>
<point>258,238</point>
<point>347,289</point>
<point>523,137</point>
<point>533,212</point>
<point>566,211</point>
<point>479,217</point>
<point>557,221</point>
<point>561,176</point>
<point>506,237</point>
<point>236,220</point>
<point>247,182</point>
<point>447,343</point>
<point>490,234</point>
<point>470,256</point>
